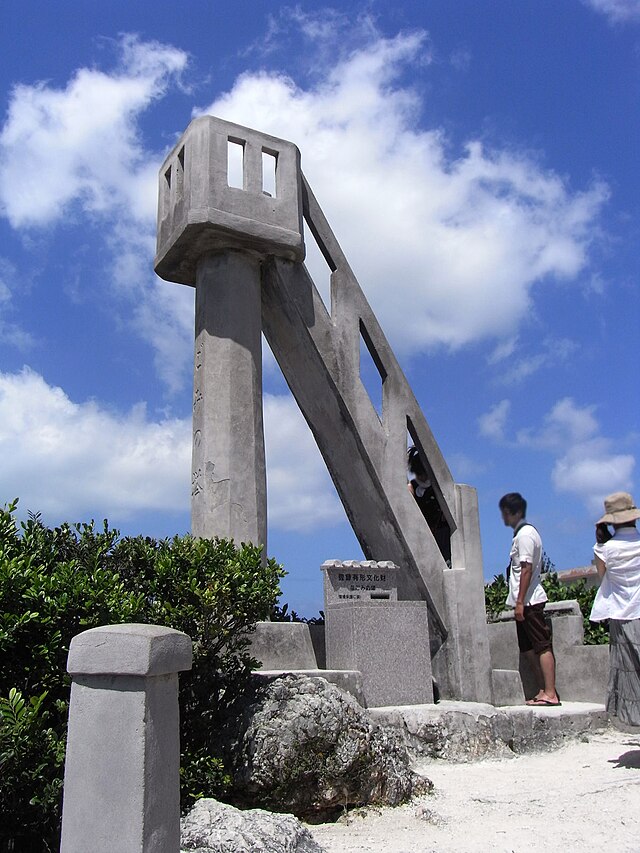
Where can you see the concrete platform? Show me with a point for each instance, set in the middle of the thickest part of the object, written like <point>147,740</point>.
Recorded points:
<point>465,731</point>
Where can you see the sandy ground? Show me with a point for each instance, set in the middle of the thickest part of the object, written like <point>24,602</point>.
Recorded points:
<point>584,796</point>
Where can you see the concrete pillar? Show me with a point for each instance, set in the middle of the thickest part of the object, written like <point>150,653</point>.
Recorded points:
<point>121,783</point>
<point>228,488</point>
<point>464,585</point>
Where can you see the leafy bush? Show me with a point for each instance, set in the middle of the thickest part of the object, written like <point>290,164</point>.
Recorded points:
<point>31,768</point>
<point>283,614</point>
<point>495,595</point>
<point>55,583</point>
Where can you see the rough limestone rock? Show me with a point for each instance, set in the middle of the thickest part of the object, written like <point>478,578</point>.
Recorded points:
<point>213,827</point>
<point>467,731</point>
<point>304,746</point>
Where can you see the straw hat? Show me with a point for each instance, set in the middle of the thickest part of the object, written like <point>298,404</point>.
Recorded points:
<point>619,508</point>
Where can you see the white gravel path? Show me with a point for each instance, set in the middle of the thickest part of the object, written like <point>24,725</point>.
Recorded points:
<point>584,796</point>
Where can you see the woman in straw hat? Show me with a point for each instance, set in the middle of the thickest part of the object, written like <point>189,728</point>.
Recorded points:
<point>618,600</point>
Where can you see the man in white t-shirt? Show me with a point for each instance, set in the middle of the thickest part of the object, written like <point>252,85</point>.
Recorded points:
<point>527,597</point>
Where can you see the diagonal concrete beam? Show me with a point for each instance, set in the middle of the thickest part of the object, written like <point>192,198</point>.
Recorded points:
<point>290,310</point>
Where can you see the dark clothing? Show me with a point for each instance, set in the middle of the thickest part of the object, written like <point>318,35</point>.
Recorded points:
<point>533,632</point>
<point>433,515</point>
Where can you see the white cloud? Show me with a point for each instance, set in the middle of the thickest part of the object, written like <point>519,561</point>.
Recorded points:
<point>165,320</point>
<point>69,460</point>
<point>521,364</point>
<point>78,151</point>
<point>301,494</point>
<point>461,58</point>
<point>591,470</point>
<point>503,350</point>
<point>492,424</point>
<point>465,468</point>
<point>616,10</point>
<point>585,463</point>
<point>10,332</point>
<point>65,458</point>
<point>566,424</point>
<point>81,144</point>
<point>446,248</point>
<point>326,35</point>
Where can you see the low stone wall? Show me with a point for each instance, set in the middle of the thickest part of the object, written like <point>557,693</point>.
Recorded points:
<point>378,651</point>
<point>299,649</point>
<point>582,671</point>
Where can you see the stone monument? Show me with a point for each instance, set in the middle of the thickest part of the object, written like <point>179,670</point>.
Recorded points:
<point>242,248</point>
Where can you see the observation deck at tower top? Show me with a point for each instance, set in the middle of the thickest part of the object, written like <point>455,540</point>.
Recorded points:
<point>200,210</point>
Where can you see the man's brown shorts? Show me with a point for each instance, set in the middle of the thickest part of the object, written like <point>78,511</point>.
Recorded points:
<point>534,633</point>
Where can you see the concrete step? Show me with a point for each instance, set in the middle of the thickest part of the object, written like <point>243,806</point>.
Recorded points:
<point>465,731</point>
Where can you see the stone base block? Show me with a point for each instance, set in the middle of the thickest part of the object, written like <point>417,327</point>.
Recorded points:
<point>388,642</point>
<point>567,631</point>
<point>283,646</point>
<point>507,687</point>
<point>503,644</point>
<point>583,673</point>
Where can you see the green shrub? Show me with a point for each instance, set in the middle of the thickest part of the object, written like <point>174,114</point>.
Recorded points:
<point>55,583</point>
<point>495,595</point>
<point>31,768</point>
<point>283,614</point>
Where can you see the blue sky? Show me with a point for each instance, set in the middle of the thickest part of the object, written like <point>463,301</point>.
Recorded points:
<point>477,162</point>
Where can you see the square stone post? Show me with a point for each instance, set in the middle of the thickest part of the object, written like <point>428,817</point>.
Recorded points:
<point>121,782</point>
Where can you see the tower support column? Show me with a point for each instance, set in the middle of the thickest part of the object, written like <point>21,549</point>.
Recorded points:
<point>228,481</point>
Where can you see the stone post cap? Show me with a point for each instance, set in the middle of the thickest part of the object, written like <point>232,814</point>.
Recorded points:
<point>129,650</point>
<point>359,565</point>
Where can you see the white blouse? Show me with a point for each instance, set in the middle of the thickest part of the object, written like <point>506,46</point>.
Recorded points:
<point>619,593</point>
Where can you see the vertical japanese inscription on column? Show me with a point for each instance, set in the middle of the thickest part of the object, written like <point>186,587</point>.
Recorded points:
<point>197,481</point>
